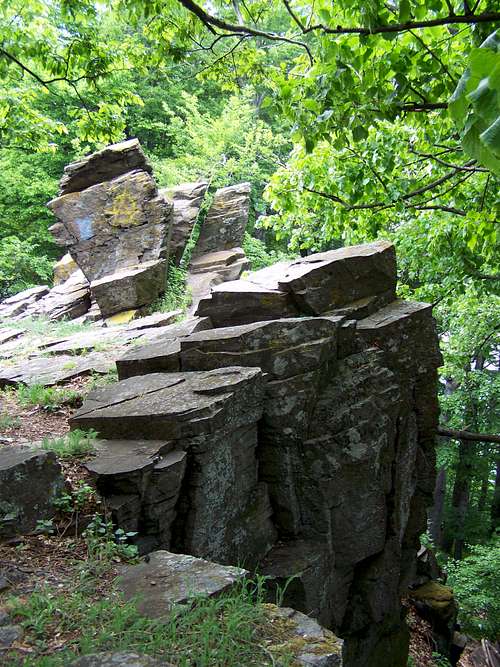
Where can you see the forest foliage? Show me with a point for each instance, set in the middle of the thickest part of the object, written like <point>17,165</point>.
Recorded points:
<point>352,121</point>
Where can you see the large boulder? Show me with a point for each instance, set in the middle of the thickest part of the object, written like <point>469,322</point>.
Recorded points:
<point>226,221</point>
<point>30,481</point>
<point>113,225</point>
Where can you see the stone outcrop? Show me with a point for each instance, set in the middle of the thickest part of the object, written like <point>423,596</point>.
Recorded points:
<point>120,232</point>
<point>217,256</point>
<point>307,419</point>
<point>186,200</point>
<point>113,225</point>
<point>113,221</point>
<point>212,416</point>
<point>226,220</point>
<point>30,481</point>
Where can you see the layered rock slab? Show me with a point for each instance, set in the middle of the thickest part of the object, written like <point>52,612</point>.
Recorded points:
<point>17,304</point>
<point>352,281</point>
<point>104,165</point>
<point>223,512</point>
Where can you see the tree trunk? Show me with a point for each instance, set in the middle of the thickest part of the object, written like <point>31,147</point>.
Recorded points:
<point>436,511</point>
<point>460,499</point>
<point>495,506</point>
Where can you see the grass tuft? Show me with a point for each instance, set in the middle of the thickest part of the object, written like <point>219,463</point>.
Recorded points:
<point>75,444</point>
<point>48,398</point>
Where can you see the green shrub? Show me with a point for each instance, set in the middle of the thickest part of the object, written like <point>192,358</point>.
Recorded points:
<point>476,584</point>
<point>75,444</point>
<point>177,296</point>
<point>259,255</point>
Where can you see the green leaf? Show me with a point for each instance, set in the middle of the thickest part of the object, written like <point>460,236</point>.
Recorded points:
<point>491,137</point>
<point>404,11</point>
<point>359,133</point>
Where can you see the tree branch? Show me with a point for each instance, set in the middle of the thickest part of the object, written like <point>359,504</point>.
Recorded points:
<point>212,22</point>
<point>446,209</point>
<point>468,435</point>
<point>451,19</point>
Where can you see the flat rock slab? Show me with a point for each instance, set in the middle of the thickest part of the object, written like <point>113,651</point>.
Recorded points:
<point>219,259</point>
<point>155,320</point>
<point>103,165</point>
<point>226,221</point>
<point>30,480</point>
<point>119,659</point>
<point>18,303</point>
<point>173,405</point>
<point>121,457</point>
<point>69,300</point>
<point>168,579</point>
<point>49,371</point>
<point>161,353</point>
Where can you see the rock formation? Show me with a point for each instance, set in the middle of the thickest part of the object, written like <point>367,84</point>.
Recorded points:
<point>296,438</point>
<point>115,225</point>
<point>217,256</point>
<point>226,220</point>
<point>186,200</point>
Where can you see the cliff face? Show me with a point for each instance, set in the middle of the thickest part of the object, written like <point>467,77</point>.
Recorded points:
<point>295,438</point>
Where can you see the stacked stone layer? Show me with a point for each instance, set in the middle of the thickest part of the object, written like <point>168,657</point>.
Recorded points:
<point>306,435</point>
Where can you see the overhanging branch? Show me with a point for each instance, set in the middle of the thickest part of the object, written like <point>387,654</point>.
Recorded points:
<point>468,435</point>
